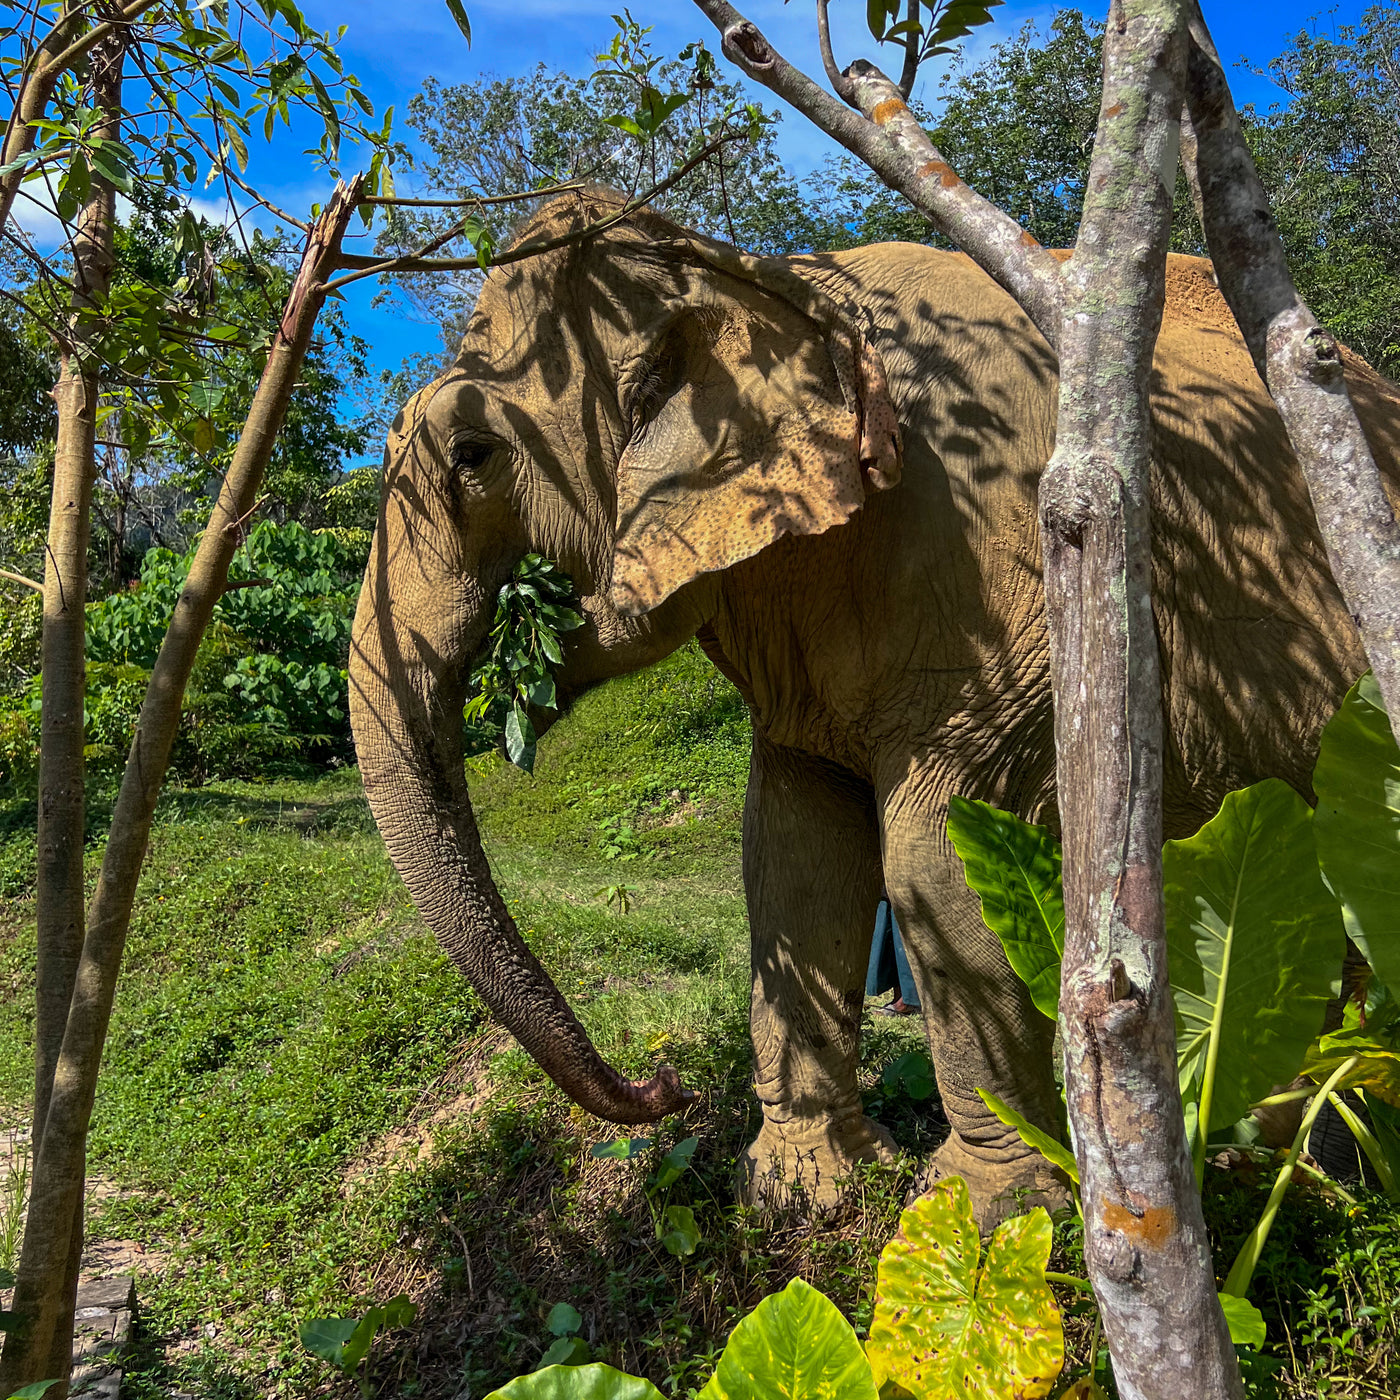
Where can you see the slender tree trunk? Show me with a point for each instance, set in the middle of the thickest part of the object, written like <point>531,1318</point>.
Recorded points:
<point>62,814</point>
<point>45,1309</point>
<point>1300,362</point>
<point>1145,1243</point>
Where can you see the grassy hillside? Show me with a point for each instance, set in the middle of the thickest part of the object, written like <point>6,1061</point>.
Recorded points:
<point>305,1109</point>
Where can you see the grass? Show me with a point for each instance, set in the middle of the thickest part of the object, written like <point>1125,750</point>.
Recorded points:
<point>304,1109</point>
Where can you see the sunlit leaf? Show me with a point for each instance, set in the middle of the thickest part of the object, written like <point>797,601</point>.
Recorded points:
<point>1254,942</point>
<point>1245,1321</point>
<point>592,1382</point>
<point>949,1322</point>
<point>623,1148</point>
<point>682,1235</point>
<point>795,1345</point>
<point>326,1336</point>
<point>1357,780</point>
<point>1014,868</point>
<point>1053,1151</point>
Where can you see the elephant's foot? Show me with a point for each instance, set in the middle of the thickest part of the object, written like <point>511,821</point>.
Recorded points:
<point>813,1157</point>
<point>998,1184</point>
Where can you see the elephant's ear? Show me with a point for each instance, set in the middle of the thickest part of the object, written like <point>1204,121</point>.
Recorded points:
<point>741,434</point>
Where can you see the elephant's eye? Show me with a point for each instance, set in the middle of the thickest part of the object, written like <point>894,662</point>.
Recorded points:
<point>653,380</point>
<point>469,455</point>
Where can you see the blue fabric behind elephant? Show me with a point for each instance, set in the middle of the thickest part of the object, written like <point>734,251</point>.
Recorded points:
<point>889,967</point>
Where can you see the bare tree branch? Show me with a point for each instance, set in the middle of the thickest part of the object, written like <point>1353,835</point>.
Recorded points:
<point>1300,362</point>
<point>839,84</point>
<point>369,267</point>
<point>884,134</point>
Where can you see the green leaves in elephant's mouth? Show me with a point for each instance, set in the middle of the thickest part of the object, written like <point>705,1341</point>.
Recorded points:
<point>514,669</point>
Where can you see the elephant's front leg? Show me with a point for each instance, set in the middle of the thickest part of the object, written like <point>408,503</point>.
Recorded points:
<point>984,1031</point>
<point>812,875</point>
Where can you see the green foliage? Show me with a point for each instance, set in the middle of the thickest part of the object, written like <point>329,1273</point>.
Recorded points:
<point>1358,824</point>
<point>1254,943</point>
<point>795,1345</point>
<point>525,642</point>
<point>595,1382</point>
<point>345,1342</point>
<point>674,1225</point>
<point>950,1321</point>
<point>1014,868</point>
<point>948,21</point>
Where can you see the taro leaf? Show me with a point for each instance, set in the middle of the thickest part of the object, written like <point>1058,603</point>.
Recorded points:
<point>1056,1153</point>
<point>1254,941</point>
<point>326,1336</point>
<point>565,1351</point>
<point>911,1072</point>
<point>943,1326</point>
<point>564,1320</point>
<point>400,1311</point>
<point>33,1391</point>
<point>794,1345</point>
<point>1014,868</point>
<point>684,1235</point>
<point>1358,824</point>
<point>674,1163</point>
<point>358,1343</point>
<point>1385,1124</point>
<point>593,1382</point>
<point>1245,1321</point>
<point>623,1148</point>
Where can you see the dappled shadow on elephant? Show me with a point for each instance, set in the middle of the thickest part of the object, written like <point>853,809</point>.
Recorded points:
<point>826,468</point>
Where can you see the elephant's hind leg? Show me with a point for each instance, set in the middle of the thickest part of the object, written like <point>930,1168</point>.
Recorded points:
<point>812,875</point>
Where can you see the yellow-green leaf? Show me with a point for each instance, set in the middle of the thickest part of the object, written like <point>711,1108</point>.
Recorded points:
<point>794,1345</point>
<point>1245,1321</point>
<point>1056,1153</point>
<point>949,1323</point>
<point>595,1382</point>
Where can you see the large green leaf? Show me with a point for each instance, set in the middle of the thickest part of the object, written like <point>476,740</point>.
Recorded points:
<point>1254,941</point>
<point>1358,824</point>
<point>794,1345</point>
<point>1014,868</point>
<point>1245,1321</point>
<point>944,1327</point>
<point>593,1382</point>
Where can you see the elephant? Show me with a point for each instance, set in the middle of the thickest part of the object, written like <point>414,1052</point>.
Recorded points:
<point>824,468</point>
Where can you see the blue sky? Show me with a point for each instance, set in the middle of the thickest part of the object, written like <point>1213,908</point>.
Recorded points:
<point>393,46</point>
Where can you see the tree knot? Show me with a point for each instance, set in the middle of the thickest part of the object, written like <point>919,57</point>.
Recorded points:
<point>1321,356</point>
<point>745,44</point>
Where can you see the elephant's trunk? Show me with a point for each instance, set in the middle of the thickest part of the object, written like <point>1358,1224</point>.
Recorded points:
<point>406,698</point>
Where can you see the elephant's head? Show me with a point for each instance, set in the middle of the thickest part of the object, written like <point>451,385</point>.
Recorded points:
<point>646,408</point>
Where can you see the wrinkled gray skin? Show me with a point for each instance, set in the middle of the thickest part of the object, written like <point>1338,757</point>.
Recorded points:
<point>653,427</point>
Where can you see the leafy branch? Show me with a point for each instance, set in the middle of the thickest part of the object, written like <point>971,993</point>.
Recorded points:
<point>525,643</point>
